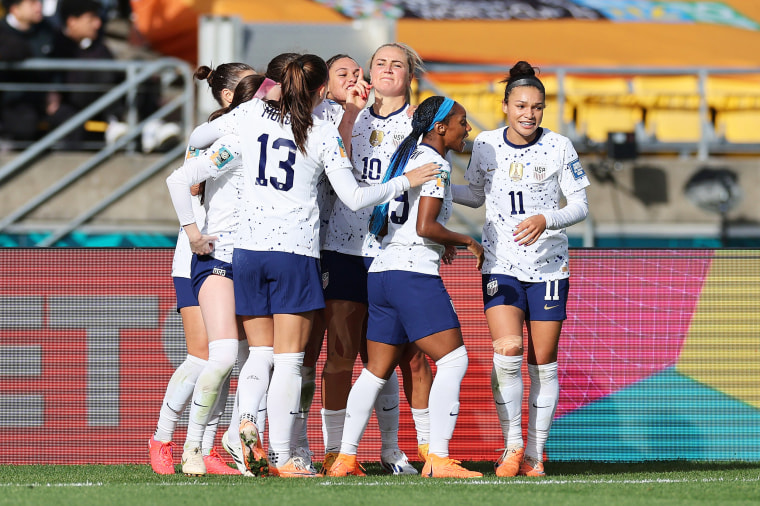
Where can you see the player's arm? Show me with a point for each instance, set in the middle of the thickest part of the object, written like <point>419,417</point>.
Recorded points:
<point>430,228</point>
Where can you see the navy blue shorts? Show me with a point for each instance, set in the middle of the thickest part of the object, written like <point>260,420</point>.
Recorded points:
<point>407,306</point>
<point>183,287</point>
<point>203,266</point>
<point>344,277</point>
<point>273,282</point>
<point>542,301</point>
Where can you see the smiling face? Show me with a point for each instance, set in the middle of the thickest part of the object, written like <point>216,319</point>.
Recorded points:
<point>343,76</point>
<point>457,129</point>
<point>525,110</point>
<point>389,72</point>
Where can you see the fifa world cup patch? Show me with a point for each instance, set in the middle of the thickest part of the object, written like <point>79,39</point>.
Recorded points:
<point>576,169</point>
<point>443,179</point>
<point>192,152</point>
<point>342,148</point>
<point>221,157</point>
<point>492,287</point>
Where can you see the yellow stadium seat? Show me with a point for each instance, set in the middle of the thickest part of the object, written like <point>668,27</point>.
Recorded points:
<point>673,125</point>
<point>733,92</point>
<point>608,90</point>
<point>738,126</point>
<point>596,120</point>
<point>666,91</point>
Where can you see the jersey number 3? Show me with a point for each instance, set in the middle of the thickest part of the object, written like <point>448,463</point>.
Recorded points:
<point>283,147</point>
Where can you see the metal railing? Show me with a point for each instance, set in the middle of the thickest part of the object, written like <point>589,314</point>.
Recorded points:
<point>170,71</point>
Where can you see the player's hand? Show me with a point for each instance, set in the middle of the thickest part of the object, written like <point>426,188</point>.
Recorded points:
<point>530,229</point>
<point>423,174</point>
<point>477,249</point>
<point>203,245</point>
<point>358,94</point>
<point>449,254</point>
<point>411,109</point>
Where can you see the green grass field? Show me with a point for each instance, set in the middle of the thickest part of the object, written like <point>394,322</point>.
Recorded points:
<point>567,483</point>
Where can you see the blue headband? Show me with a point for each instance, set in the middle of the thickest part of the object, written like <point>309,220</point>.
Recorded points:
<point>443,111</point>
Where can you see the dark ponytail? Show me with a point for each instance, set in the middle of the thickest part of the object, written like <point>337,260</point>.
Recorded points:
<point>301,82</point>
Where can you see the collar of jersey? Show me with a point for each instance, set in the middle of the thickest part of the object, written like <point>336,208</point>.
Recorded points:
<point>539,133</point>
<point>372,112</point>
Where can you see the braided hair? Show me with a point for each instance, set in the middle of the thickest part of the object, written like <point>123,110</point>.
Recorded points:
<point>432,110</point>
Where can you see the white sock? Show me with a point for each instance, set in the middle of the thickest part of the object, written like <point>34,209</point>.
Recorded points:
<point>282,404</point>
<point>507,387</point>
<point>444,399</point>
<point>253,382</point>
<point>209,433</point>
<point>542,403</point>
<point>332,429</point>
<point>179,391</point>
<point>358,410</point>
<point>233,432</point>
<point>387,413</point>
<point>422,425</point>
<point>299,438</point>
<point>221,360</point>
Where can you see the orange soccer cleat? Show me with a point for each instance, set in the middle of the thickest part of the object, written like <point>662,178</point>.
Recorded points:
<point>445,467</point>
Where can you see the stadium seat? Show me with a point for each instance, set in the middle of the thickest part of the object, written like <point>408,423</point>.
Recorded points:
<point>673,125</point>
<point>596,120</point>
<point>738,126</point>
<point>604,90</point>
<point>680,92</point>
<point>735,92</point>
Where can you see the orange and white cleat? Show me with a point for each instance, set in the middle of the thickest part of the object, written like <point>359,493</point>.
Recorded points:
<point>531,467</point>
<point>161,456</point>
<point>345,465</point>
<point>509,463</point>
<point>254,456</point>
<point>295,467</point>
<point>445,467</point>
<point>328,462</point>
<point>215,464</point>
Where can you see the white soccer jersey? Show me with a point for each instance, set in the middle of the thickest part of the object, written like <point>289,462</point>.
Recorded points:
<point>331,111</point>
<point>220,165</point>
<point>519,182</point>
<point>403,249</point>
<point>373,143</point>
<point>183,255</point>
<point>279,209</point>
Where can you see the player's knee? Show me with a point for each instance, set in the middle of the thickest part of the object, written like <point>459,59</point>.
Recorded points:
<point>508,345</point>
<point>337,364</point>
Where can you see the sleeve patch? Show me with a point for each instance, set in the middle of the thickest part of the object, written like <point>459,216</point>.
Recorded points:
<point>192,152</point>
<point>444,179</point>
<point>576,169</point>
<point>221,157</point>
<point>342,148</point>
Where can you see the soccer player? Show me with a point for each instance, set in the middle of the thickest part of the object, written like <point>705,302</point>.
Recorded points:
<point>408,302</point>
<point>348,252</point>
<point>520,172</point>
<point>222,81</point>
<point>276,253</point>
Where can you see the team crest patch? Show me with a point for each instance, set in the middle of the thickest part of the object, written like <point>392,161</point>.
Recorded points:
<point>221,157</point>
<point>516,171</point>
<point>376,138</point>
<point>342,148</point>
<point>192,152</point>
<point>398,138</point>
<point>492,287</point>
<point>325,279</point>
<point>576,169</point>
<point>539,173</point>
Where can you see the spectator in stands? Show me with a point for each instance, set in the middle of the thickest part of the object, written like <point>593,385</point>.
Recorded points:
<point>24,33</point>
<point>80,38</point>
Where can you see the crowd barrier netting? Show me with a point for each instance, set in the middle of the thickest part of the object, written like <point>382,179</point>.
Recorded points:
<point>659,358</point>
